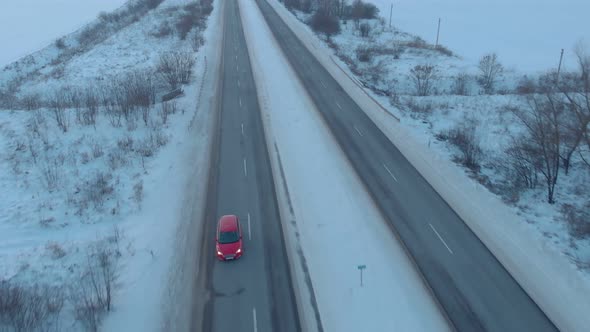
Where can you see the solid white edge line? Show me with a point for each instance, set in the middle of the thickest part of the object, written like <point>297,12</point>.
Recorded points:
<point>249,230</point>
<point>441,239</point>
<point>254,317</point>
<point>388,171</point>
<point>358,131</point>
<point>245,168</point>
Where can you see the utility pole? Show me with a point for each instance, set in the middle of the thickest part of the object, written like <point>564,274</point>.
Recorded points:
<point>390,12</point>
<point>437,33</point>
<point>559,67</point>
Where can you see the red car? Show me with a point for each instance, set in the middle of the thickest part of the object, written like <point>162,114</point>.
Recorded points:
<point>228,241</point>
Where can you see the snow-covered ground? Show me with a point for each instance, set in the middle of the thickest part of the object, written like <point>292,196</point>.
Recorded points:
<point>119,189</point>
<point>334,222</point>
<point>531,237</point>
<point>29,25</point>
<point>528,35</point>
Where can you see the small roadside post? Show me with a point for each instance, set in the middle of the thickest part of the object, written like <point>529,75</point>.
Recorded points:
<point>361,268</point>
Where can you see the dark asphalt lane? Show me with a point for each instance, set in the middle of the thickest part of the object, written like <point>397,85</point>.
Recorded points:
<point>253,293</point>
<point>473,288</point>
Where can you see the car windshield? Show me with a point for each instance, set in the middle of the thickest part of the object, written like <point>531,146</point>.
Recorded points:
<point>228,237</point>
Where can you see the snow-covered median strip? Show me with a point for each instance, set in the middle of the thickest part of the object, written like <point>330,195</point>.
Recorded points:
<point>334,222</point>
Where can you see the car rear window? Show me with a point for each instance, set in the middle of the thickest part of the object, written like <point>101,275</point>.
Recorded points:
<point>228,237</point>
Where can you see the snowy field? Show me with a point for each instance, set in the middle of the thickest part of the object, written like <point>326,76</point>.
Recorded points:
<point>392,296</point>
<point>29,25</point>
<point>528,35</point>
<point>533,239</point>
<point>95,189</point>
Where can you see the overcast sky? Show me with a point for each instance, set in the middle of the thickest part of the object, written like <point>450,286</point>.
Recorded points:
<point>29,25</point>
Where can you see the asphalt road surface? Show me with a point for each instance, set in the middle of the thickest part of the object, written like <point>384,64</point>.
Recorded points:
<point>473,288</point>
<point>253,293</point>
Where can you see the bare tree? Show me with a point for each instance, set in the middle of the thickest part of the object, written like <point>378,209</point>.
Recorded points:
<point>423,77</point>
<point>577,93</point>
<point>326,22</point>
<point>490,69</point>
<point>542,123</point>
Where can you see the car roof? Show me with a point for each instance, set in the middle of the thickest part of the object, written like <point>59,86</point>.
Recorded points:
<point>228,223</point>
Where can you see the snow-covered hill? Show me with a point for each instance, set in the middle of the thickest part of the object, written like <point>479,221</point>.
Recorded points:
<point>93,173</point>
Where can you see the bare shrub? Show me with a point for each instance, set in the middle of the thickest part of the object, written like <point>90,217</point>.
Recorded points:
<point>421,109</point>
<point>97,151</point>
<point>59,103</point>
<point>526,86</point>
<point>423,77</point>
<point>365,29</point>
<point>125,144</point>
<point>145,148</point>
<point>167,109</point>
<point>84,158</point>
<point>29,308</point>
<point>31,101</point>
<point>523,162</point>
<point>163,31</point>
<point>176,67</point>
<point>197,40</point>
<point>578,220</point>
<point>375,74</point>
<point>460,85</point>
<point>364,53</point>
<point>91,102</point>
<point>58,72</point>
<point>184,25</point>
<point>92,295</point>
<point>138,192</point>
<point>443,50</point>
<point>192,17</point>
<point>464,138</point>
<point>490,69</point>
<point>98,189</point>
<point>123,97</point>
<point>50,173</point>
<point>116,159</point>
<point>55,249</point>
<point>60,43</point>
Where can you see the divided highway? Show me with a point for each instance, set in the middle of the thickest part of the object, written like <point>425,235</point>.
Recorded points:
<point>253,293</point>
<point>472,287</point>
